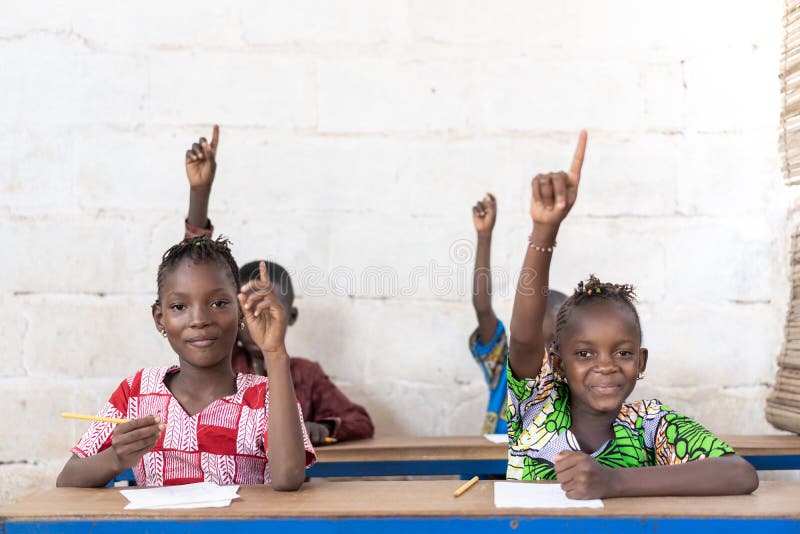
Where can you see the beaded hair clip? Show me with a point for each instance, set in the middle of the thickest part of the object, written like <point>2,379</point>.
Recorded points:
<point>582,289</point>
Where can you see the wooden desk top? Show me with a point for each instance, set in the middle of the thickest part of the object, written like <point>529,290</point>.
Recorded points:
<point>326,499</point>
<point>479,448</point>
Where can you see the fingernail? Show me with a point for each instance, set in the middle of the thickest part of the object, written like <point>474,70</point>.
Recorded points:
<point>158,419</point>
<point>162,426</point>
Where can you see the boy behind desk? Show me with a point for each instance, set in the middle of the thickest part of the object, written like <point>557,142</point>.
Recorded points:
<point>328,413</point>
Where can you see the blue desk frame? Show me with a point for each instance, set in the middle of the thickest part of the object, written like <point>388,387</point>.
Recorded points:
<point>439,525</point>
<point>481,467</point>
<point>466,467</point>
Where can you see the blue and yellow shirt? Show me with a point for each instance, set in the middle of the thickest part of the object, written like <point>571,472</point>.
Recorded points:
<point>492,357</point>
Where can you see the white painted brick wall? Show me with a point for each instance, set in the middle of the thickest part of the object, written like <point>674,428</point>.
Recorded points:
<point>356,135</point>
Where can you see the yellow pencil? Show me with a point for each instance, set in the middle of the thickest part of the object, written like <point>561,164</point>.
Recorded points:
<point>330,440</point>
<point>465,487</point>
<point>92,418</point>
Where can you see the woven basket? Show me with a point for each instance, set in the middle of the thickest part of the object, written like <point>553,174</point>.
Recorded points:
<point>783,402</point>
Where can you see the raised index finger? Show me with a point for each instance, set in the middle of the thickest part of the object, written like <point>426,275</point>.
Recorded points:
<point>577,159</point>
<point>262,269</point>
<point>215,138</point>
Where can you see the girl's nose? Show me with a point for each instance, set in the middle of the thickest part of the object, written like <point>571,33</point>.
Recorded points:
<point>605,363</point>
<point>199,317</point>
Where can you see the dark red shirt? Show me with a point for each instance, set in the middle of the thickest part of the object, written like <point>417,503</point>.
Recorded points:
<point>319,398</point>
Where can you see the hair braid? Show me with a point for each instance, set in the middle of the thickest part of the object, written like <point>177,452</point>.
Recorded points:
<point>200,249</point>
<point>594,290</point>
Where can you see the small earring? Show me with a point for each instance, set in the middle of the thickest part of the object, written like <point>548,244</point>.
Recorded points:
<point>241,325</point>
<point>163,332</point>
<point>641,376</point>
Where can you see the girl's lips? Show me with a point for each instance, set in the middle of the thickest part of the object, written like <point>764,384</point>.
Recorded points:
<point>606,389</point>
<point>202,342</point>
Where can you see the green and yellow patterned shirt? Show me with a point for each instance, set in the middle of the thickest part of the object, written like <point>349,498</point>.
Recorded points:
<point>645,432</point>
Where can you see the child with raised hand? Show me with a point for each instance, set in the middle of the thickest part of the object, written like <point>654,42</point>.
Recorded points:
<point>568,420</point>
<point>329,414</point>
<point>199,421</point>
<point>488,342</point>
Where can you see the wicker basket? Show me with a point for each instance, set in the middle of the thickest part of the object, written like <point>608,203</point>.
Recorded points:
<point>783,402</point>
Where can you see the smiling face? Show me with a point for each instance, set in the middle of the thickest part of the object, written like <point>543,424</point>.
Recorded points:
<point>600,356</point>
<point>199,311</point>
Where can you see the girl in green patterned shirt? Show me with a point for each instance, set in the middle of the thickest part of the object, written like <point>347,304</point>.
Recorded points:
<point>567,416</point>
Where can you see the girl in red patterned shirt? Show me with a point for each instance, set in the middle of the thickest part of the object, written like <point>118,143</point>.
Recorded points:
<point>198,421</point>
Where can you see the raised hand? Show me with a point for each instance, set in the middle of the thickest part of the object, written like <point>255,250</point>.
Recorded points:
<point>553,194</point>
<point>266,318</point>
<point>484,214</point>
<point>201,161</point>
<point>582,477</point>
<point>132,440</point>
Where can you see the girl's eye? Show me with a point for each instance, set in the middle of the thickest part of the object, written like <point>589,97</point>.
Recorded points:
<point>583,354</point>
<point>219,303</point>
<point>625,354</point>
<point>178,307</point>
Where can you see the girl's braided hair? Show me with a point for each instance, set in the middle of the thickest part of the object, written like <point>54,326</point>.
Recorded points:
<point>200,249</point>
<point>593,290</point>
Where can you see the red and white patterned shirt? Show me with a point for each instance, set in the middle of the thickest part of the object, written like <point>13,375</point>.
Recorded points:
<point>225,443</point>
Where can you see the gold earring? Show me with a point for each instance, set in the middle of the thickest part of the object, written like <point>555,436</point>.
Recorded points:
<point>163,332</point>
<point>641,376</point>
<point>241,324</point>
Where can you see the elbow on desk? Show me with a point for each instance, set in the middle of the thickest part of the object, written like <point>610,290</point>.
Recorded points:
<point>750,477</point>
<point>288,481</point>
<point>287,485</point>
<point>744,477</point>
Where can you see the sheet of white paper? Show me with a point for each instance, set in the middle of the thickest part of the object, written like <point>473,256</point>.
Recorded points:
<point>497,438</point>
<point>210,504</point>
<point>533,495</point>
<point>197,495</point>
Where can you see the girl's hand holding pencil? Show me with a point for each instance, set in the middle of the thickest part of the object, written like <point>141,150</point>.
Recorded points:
<point>132,438</point>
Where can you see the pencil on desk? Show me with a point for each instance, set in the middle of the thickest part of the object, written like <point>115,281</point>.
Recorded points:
<point>465,487</point>
<point>330,440</point>
<point>92,418</point>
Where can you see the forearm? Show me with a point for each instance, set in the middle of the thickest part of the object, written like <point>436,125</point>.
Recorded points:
<point>526,343</point>
<point>286,453</point>
<point>91,472</point>
<point>482,288</point>
<point>481,276</point>
<point>198,206</point>
<point>726,475</point>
